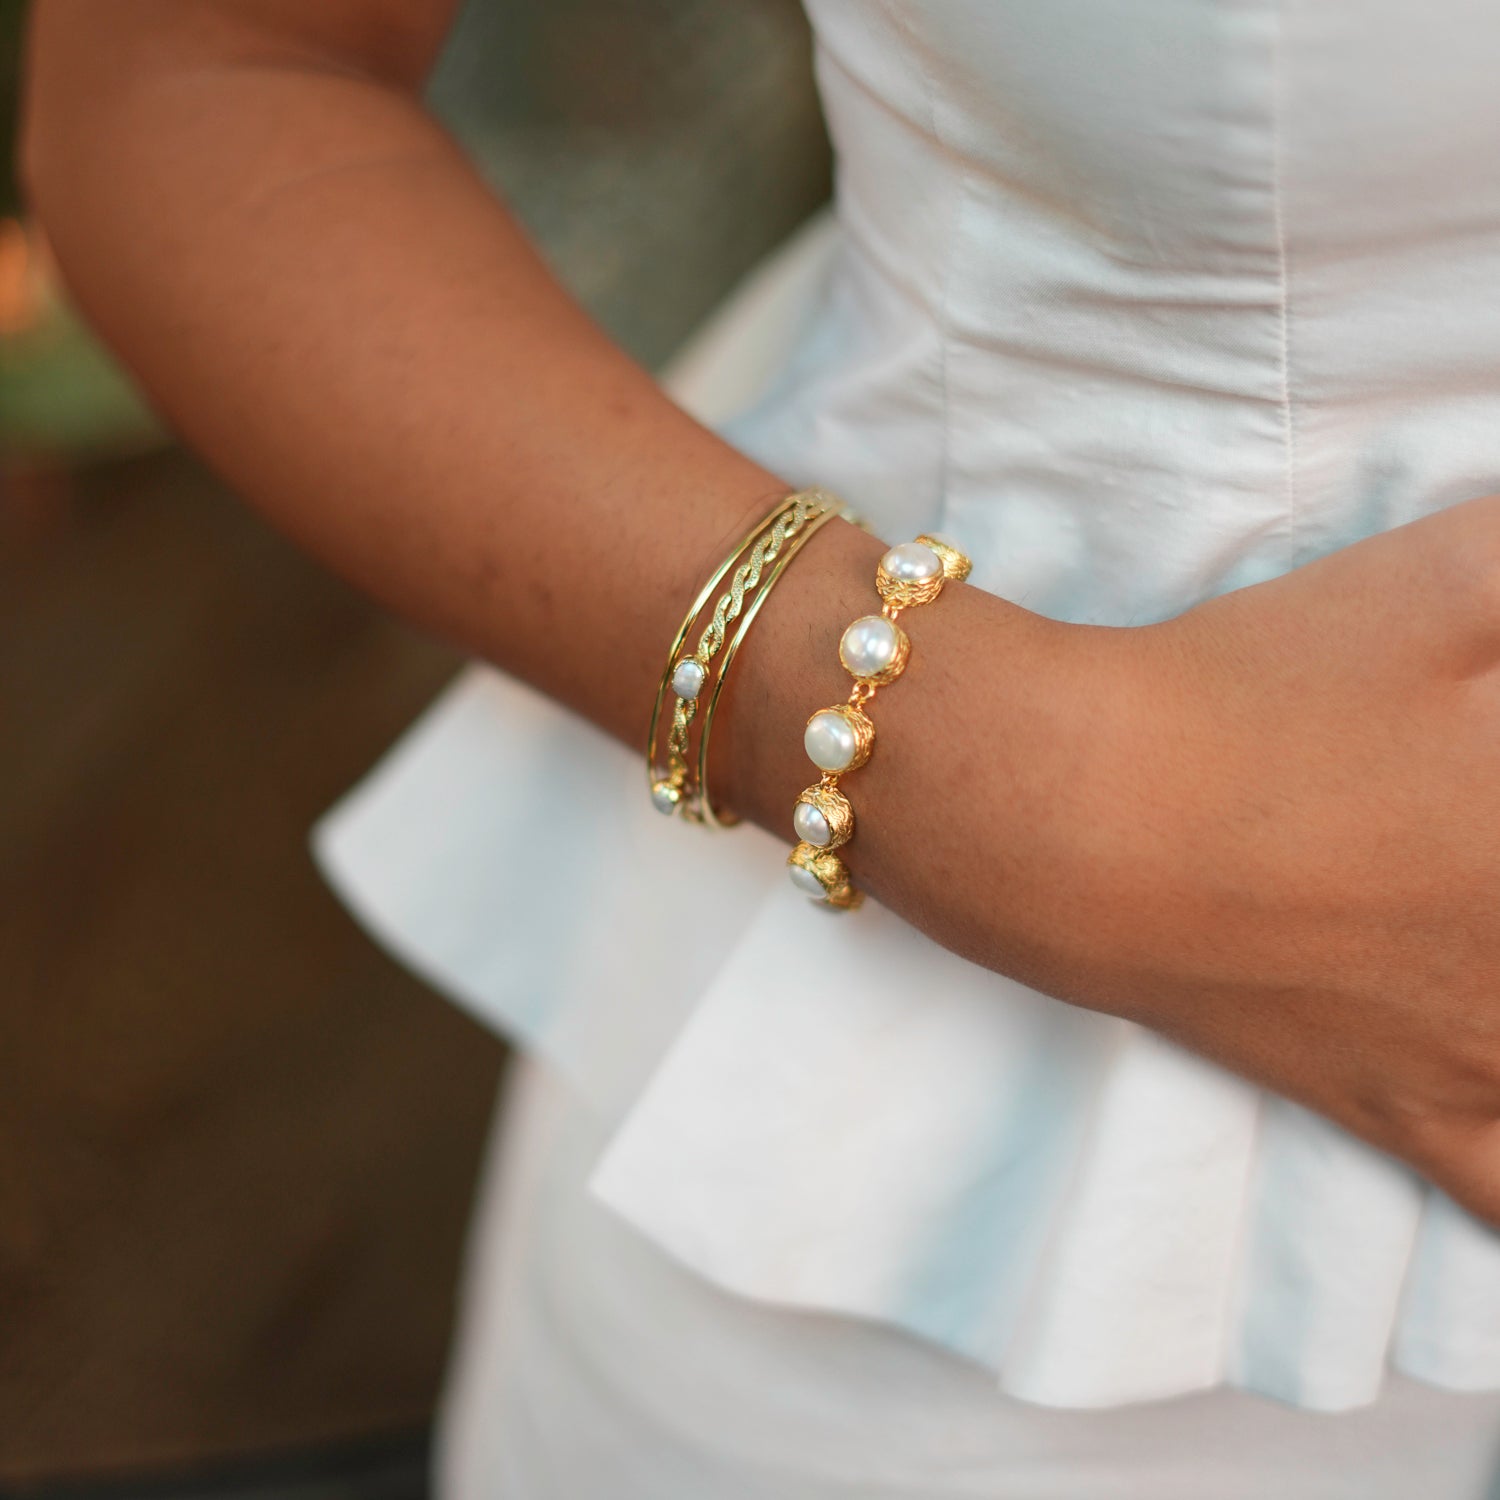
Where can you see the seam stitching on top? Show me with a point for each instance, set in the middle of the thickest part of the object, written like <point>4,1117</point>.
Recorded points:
<point>1283,271</point>
<point>929,94</point>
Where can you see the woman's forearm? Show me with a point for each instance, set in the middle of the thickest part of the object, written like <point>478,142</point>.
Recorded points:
<point>252,205</point>
<point>322,297</point>
<point>319,293</point>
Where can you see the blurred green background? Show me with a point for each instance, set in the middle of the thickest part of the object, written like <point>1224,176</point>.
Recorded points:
<point>236,1142</point>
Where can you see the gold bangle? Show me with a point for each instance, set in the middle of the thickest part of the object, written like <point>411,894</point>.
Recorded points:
<point>874,651</point>
<point>668,787</point>
<point>705,802</point>
<point>672,788</point>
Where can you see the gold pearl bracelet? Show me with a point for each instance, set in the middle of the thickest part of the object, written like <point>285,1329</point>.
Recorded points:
<point>874,651</point>
<point>680,786</point>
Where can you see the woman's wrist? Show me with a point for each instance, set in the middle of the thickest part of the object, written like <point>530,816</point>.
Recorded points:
<point>942,803</point>
<point>788,668</point>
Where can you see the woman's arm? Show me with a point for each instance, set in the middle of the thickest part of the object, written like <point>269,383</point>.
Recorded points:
<point>1270,828</point>
<point>320,294</point>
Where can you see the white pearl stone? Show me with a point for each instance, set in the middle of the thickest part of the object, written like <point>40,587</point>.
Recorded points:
<point>807,882</point>
<point>687,680</point>
<point>829,741</point>
<point>868,646</point>
<point>665,796</point>
<point>811,826</point>
<point>911,562</point>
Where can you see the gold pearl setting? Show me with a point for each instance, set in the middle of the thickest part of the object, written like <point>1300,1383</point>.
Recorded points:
<point>823,817</point>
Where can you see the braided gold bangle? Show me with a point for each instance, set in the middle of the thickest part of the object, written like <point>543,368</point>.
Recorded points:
<point>770,544</point>
<point>874,651</point>
<point>706,807</point>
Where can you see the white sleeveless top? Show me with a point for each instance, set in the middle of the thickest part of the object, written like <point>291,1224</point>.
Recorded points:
<point>1141,302</point>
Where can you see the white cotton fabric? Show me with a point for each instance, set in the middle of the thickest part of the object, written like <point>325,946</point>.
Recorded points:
<point>590,1364</point>
<point>1141,302</point>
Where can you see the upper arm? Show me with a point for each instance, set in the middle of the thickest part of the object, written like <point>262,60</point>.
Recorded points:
<point>86,58</point>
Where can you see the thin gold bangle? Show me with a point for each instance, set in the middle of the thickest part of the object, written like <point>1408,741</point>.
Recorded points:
<point>704,594</point>
<point>804,508</point>
<point>673,787</point>
<point>706,807</point>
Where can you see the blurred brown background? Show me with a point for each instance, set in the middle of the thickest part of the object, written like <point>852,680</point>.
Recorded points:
<point>237,1142</point>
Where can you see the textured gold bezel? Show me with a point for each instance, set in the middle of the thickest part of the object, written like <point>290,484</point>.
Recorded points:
<point>836,809</point>
<point>956,565</point>
<point>898,662</point>
<point>905,593</point>
<point>864,735</point>
<point>830,872</point>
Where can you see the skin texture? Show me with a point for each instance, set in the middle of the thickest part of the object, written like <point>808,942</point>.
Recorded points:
<point>1269,829</point>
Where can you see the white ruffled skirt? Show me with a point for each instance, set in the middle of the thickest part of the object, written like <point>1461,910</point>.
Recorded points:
<point>592,1366</point>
